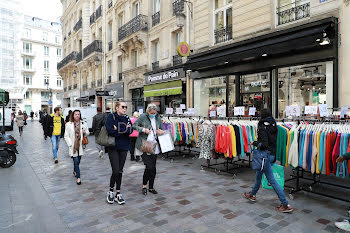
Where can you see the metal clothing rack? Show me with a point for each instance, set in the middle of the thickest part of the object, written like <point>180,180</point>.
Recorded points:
<point>178,153</point>
<point>316,180</point>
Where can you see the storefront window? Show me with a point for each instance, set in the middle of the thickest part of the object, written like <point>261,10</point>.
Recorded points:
<point>209,94</point>
<point>255,91</point>
<point>231,102</point>
<point>304,85</point>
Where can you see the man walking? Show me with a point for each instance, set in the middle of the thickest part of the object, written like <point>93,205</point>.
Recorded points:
<point>97,122</point>
<point>54,128</point>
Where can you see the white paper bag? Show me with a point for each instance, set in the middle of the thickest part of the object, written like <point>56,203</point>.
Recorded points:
<point>166,143</point>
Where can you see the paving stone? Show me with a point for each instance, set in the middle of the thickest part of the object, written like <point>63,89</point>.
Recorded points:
<point>265,215</point>
<point>198,215</point>
<point>306,211</point>
<point>323,221</point>
<point>230,216</point>
<point>283,223</point>
<point>184,202</point>
<point>160,223</point>
<point>151,215</point>
<point>173,212</point>
<point>225,211</point>
<point>330,228</point>
<point>262,225</point>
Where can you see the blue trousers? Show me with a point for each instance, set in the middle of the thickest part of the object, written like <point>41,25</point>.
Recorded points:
<point>271,179</point>
<point>55,140</point>
<point>76,161</point>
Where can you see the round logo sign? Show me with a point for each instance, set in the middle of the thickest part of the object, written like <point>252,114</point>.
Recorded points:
<point>183,49</point>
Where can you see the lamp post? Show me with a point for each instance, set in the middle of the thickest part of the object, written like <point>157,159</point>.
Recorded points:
<point>50,96</point>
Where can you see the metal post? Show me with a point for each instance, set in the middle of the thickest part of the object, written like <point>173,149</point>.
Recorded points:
<point>3,113</point>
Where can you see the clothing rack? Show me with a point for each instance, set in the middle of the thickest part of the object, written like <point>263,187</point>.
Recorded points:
<point>178,153</point>
<point>316,180</point>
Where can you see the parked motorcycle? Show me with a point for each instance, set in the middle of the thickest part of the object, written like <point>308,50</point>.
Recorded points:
<point>8,150</point>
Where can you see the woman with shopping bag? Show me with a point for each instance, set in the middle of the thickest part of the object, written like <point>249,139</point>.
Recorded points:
<point>267,138</point>
<point>149,126</point>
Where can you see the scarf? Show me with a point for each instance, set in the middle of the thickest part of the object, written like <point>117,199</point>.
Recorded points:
<point>76,137</point>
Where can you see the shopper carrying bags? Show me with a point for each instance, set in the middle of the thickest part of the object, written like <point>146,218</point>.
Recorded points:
<point>267,138</point>
<point>76,130</point>
<point>118,125</point>
<point>149,126</point>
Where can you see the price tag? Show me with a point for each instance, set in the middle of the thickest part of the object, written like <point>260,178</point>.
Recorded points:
<point>288,112</point>
<point>252,111</point>
<point>295,110</point>
<point>221,111</point>
<point>212,114</point>
<point>169,111</point>
<point>323,110</point>
<point>344,111</point>
<point>310,110</point>
<point>190,111</point>
<point>141,111</point>
<point>179,111</point>
<point>183,106</point>
<point>239,111</point>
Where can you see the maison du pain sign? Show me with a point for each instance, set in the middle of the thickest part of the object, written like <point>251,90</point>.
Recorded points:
<point>165,76</point>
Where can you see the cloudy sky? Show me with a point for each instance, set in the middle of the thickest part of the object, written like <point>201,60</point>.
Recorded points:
<point>45,9</point>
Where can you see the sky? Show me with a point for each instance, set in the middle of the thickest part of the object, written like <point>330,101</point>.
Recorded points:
<point>45,9</point>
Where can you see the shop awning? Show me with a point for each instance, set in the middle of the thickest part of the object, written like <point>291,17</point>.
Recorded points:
<point>163,89</point>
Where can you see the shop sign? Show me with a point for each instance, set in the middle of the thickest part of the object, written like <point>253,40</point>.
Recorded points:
<point>252,111</point>
<point>221,111</point>
<point>323,110</point>
<point>292,111</point>
<point>239,111</point>
<point>310,110</point>
<point>183,49</point>
<point>183,106</point>
<point>259,83</point>
<point>116,90</point>
<point>179,111</point>
<point>165,76</point>
<point>169,111</point>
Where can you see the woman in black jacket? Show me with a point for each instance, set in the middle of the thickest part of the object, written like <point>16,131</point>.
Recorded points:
<point>267,138</point>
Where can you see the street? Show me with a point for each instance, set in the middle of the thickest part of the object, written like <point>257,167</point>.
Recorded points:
<point>40,196</point>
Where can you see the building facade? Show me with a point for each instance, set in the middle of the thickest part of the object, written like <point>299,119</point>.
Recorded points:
<point>11,21</point>
<point>40,53</point>
<point>111,49</point>
<point>269,53</point>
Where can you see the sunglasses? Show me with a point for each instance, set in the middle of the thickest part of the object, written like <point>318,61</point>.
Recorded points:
<point>124,107</point>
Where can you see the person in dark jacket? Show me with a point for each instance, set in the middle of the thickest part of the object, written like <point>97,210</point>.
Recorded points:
<point>43,118</point>
<point>68,116</point>
<point>54,128</point>
<point>119,126</point>
<point>267,138</point>
<point>97,122</point>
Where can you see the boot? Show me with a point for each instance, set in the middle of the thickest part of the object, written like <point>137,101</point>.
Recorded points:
<point>137,158</point>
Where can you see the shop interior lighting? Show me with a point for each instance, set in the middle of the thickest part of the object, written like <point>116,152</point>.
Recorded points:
<point>325,40</point>
<point>226,62</point>
<point>264,55</point>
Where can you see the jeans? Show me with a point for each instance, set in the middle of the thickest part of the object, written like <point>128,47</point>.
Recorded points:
<point>55,140</point>
<point>99,147</point>
<point>150,171</point>
<point>117,159</point>
<point>20,129</point>
<point>271,179</point>
<point>76,161</point>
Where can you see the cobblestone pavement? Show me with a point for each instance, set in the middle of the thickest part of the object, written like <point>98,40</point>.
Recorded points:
<point>189,199</point>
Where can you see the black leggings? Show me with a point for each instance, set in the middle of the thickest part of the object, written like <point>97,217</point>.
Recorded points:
<point>117,159</point>
<point>20,128</point>
<point>150,171</point>
<point>132,147</point>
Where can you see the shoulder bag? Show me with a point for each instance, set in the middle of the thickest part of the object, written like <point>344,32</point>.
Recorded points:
<point>260,158</point>
<point>149,147</point>
<point>104,139</point>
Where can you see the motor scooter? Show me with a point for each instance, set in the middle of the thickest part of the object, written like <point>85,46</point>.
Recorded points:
<point>8,150</point>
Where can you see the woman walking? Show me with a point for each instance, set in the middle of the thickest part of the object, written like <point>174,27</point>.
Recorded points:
<point>267,138</point>
<point>20,122</point>
<point>118,125</point>
<point>76,129</point>
<point>149,126</point>
<point>133,138</point>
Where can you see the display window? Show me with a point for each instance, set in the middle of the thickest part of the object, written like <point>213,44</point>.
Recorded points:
<point>304,85</point>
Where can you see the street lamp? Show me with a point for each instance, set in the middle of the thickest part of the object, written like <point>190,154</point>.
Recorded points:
<point>97,61</point>
<point>74,74</point>
<point>180,16</point>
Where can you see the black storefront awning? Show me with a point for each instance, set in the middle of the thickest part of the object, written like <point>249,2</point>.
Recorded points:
<point>285,42</point>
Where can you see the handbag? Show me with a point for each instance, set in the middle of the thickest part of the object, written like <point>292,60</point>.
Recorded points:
<point>104,139</point>
<point>260,158</point>
<point>85,140</point>
<point>278,173</point>
<point>149,147</point>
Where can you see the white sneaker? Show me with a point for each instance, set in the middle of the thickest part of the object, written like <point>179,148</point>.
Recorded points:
<point>101,154</point>
<point>110,197</point>
<point>345,225</point>
<point>119,199</point>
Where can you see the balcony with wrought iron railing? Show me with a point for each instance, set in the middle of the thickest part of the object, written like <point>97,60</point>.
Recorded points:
<point>110,4</point>
<point>155,65</point>
<point>156,19</point>
<point>92,18</point>
<point>139,23</point>
<point>98,12</point>
<point>95,46</point>
<point>178,6</point>
<point>109,79</point>
<point>99,82</point>
<point>85,87</point>
<point>293,12</point>
<point>110,45</point>
<point>75,86</point>
<point>120,76</point>
<point>79,57</point>
<point>223,34</point>
<point>78,25</point>
<point>66,60</point>
<point>177,60</point>
<point>93,84</point>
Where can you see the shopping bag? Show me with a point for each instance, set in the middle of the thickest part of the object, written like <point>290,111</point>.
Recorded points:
<point>165,142</point>
<point>278,173</point>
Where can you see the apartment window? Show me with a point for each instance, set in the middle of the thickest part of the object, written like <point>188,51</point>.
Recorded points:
<point>46,65</point>
<point>156,6</point>
<point>176,40</point>
<point>121,20</point>
<point>28,95</point>
<point>45,95</point>
<point>292,10</point>
<point>46,50</point>
<point>109,67</point>
<point>27,47</point>
<point>136,9</point>
<point>58,39</point>
<point>27,33</point>
<point>27,80</point>
<point>59,52</point>
<point>45,36</point>
<point>120,64</point>
<point>110,31</point>
<point>222,20</point>
<point>27,63</point>
<point>59,81</point>
<point>155,51</point>
<point>135,58</point>
<point>46,81</point>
